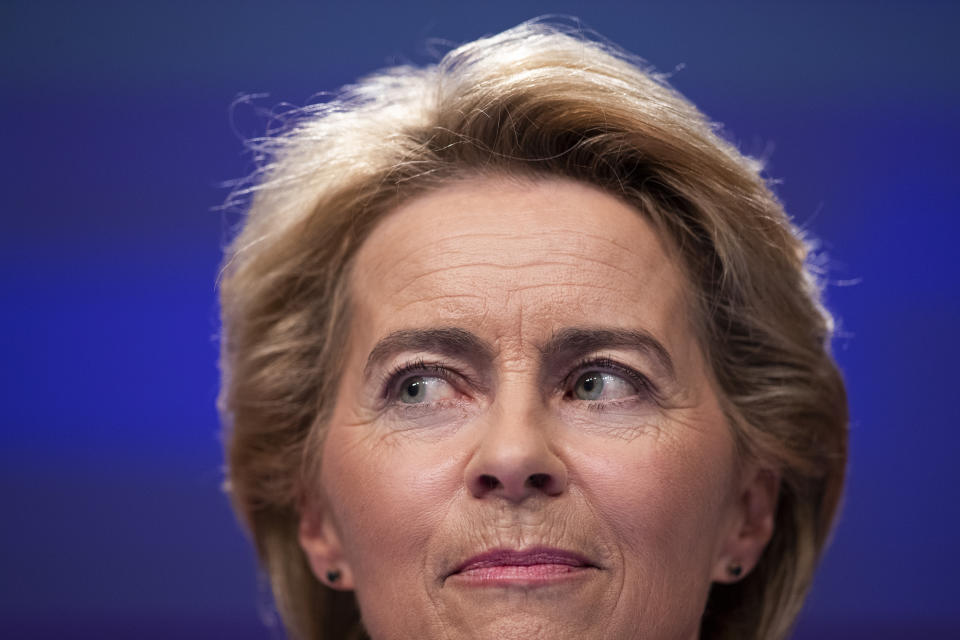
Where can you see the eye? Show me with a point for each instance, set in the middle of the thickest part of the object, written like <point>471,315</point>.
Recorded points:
<point>595,386</point>
<point>425,390</point>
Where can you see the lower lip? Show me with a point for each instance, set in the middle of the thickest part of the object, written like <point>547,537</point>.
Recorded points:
<point>521,575</point>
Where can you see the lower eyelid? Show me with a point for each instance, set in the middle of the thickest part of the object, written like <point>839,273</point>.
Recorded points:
<point>600,405</point>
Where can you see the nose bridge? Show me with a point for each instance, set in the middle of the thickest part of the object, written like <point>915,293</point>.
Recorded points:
<point>516,455</point>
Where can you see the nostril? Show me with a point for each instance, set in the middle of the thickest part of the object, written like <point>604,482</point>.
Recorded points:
<point>538,480</point>
<point>489,482</point>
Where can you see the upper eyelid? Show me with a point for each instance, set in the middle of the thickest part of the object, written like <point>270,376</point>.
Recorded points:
<point>417,368</point>
<point>610,365</point>
<point>450,373</point>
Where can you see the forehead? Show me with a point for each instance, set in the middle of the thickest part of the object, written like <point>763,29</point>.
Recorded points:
<point>517,259</point>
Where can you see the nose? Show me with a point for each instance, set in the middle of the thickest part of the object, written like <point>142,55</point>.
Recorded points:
<point>515,460</point>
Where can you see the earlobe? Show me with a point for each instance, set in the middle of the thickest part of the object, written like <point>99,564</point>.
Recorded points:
<point>321,545</point>
<point>756,510</point>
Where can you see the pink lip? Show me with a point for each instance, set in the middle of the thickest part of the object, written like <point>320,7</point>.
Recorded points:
<point>533,566</point>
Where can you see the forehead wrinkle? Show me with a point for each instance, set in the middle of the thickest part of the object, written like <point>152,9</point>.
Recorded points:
<point>565,256</point>
<point>439,298</point>
<point>574,260</point>
<point>497,267</point>
<point>563,234</point>
<point>439,247</point>
<point>408,252</point>
<point>568,236</point>
<point>565,285</point>
<point>537,234</point>
<point>568,242</point>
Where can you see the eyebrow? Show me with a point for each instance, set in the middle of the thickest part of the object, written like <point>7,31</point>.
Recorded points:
<point>565,344</point>
<point>447,341</point>
<point>579,342</point>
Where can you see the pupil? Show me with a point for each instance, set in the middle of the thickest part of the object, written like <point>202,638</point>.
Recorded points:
<point>413,389</point>
<point>590,386</point>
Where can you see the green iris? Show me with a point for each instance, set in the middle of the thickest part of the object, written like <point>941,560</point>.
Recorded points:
<point>414,390</point>
<point>589,386</point>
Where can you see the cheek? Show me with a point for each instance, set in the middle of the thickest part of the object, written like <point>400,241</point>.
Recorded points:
<point>387,497</point>
<point>661,497</point>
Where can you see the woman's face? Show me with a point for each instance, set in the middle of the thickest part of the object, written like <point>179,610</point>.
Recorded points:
<point>526,442</point>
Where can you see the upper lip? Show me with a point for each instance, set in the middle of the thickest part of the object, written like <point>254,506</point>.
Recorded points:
<point>524,558</point>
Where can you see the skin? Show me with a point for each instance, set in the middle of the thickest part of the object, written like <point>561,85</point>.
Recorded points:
<point>510,445</point>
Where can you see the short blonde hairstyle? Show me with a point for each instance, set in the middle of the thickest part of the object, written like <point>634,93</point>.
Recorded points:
<point>537,100</point>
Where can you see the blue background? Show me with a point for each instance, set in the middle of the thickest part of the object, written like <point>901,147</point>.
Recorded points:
<point>117,135</point>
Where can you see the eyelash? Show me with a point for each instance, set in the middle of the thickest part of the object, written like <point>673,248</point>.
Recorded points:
<point>393,379</point>
<point>643,385</point>
<point>418,367</point>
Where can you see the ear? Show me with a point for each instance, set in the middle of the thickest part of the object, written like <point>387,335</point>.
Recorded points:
<point>321,544</point>
<point>751,527</point>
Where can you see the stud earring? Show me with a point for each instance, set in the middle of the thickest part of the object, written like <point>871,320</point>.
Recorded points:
<point>735,570</point>
<point>333,575</point>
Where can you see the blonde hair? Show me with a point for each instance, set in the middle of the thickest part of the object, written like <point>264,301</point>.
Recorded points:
<point>534,100</point>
